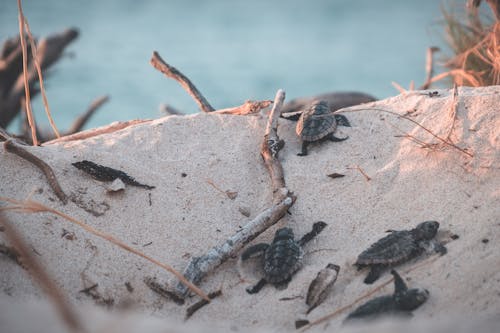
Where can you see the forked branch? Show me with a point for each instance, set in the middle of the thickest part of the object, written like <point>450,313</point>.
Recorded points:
<point>283,199</point>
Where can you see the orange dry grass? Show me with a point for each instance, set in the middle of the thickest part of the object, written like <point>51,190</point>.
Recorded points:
<point>477,50</point>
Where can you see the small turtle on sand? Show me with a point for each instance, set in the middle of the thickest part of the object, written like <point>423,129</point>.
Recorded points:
<point>401,303</point>
<point>317,123</point>
<point>398,247</point>
<point>282,258</point>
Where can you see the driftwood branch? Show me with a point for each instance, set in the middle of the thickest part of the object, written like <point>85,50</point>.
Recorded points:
<point>82,120</point>
<point>40,275</point>
<point>11,147</point>
<point>49,50</point>
<point>283,199</point>
<point>175,74</point>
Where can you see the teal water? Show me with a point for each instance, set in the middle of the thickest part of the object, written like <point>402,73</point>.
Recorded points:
<point>232,50</point>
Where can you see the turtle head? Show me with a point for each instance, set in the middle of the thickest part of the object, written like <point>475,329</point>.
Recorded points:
<point>283,233</point>
<point>411,299</point>
<point>426,230</point>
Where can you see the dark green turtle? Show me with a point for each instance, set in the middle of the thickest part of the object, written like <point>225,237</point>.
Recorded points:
<point>398,247</point>
<point>401,303</point>
<point>282,258</point>
<point>317,123</point>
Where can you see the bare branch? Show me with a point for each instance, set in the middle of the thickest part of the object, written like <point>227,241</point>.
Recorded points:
<point>82,120</point>
<point>11,147</point>
<point>175,74</point>
<point>283,199</point>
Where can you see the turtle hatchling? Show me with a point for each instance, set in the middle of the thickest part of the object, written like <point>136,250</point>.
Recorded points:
<point>401,303</point>
<point>282,258</point>
<point>398,247</point>
<point>318,123</point>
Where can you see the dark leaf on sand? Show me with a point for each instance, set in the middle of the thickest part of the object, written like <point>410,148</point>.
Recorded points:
<point>336,175</point>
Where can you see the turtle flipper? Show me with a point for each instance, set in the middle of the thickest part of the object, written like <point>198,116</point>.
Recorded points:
<point>374,274</point>
<point>399,284</point>
<point>342,120</point>
<point>255,289</point>
<point>253,250</point>
<point>317,228</point>
<point>304,149</point>
<point>335,139</point>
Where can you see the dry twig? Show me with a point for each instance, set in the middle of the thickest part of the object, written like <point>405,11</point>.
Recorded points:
<point>13,148</point>
<point>116,126</point>
<point>283,199</point>
<point>175,74</point>
<point>40,275</point>
<point>35,207</point>
<point>445,141</point>
<point>80,122</point>
<point>249,107</point>
<point>429,67</point>
<point>357,167</point>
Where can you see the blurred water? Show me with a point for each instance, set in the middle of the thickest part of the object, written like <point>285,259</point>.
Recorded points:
<point>232,50</point>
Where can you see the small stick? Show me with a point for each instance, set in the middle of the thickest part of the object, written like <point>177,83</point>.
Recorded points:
<point>11,147</point>
<point>82,120</point>
<point>355,109</point>
<point>29,112</point>
<point>357,167</point>
<point>453,111</point>
<point>98,131</point>
<point>399,88</point>
<point>201,303</point>
<point>249,107</point>
<point>40,275</point>
<point>32,207</point>
<point>429,67</point>
<point>160,290</point>
<point>175,74</point>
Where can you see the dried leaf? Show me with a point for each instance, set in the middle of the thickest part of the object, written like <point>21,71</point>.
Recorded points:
<point>336,175</point>
<point>321,286</point>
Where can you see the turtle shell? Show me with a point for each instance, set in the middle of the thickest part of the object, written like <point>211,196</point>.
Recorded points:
<point>316,122</point>
<point>393,248</point>
<point>281,259</point>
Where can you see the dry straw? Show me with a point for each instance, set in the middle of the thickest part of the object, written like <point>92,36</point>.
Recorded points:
<point>29,206</point>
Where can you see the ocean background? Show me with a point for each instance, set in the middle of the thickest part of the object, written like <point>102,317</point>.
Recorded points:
<point>231,50</point>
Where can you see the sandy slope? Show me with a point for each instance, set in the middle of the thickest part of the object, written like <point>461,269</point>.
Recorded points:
<point>185,214</point>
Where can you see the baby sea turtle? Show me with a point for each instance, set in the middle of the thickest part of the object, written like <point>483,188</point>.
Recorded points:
<point>317,123</point>
<point>401,303</point>
<point>398,247</point>
<point>282,258</point>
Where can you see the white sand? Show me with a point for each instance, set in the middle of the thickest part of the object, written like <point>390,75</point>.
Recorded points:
<point>187,215</point>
